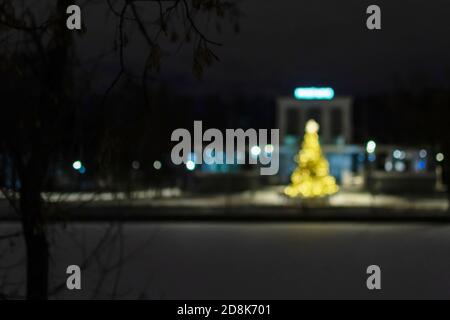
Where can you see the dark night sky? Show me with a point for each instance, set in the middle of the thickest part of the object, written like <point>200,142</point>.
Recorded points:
<point>287,43</point>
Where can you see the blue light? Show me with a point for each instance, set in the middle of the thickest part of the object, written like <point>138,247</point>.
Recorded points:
<point>192,157</point>
<point>372,157</point>
<point>314,93</point>
<point>82,170</point>
<point>421,165</point>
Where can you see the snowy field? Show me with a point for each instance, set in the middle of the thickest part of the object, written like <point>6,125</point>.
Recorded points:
<point>241,261</point>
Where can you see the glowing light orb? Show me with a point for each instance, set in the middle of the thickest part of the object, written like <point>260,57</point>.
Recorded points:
<point>76,165</point>
<point>371,146</point>
<point>157,165</point>
<point>312,126</point>
<point>255,151</point>
<point>190,165</point>
<point>135,165</point>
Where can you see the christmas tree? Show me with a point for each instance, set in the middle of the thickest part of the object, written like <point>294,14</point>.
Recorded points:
<point>311,178</point>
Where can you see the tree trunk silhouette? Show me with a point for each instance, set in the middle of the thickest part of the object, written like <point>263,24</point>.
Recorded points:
<point>35,241</point>
<point>33,177</point>
<point>33,225</point>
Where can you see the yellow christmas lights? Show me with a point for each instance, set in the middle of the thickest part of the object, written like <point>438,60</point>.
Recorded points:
<point>311,178</point>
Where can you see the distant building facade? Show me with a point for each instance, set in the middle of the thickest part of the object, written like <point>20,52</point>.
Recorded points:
<point>334,115</point>
<point>379,169</point>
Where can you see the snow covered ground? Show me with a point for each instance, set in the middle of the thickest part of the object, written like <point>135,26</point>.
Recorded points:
<point>268,203</point>
<point>246,260</point>
<point>271,196</point>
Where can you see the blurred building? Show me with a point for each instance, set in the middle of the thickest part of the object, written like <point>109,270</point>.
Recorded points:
<point>380,169</point>
<point>334,115</point>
